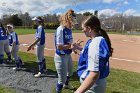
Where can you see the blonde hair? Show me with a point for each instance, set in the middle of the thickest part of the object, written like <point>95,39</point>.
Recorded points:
<point>67,18</point>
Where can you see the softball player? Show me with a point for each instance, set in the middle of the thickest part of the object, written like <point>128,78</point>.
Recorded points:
<point>4,44</point>
<point>62,58</point>
<point>14,45</point>
<point>40,44</point>
<point>93,66</point>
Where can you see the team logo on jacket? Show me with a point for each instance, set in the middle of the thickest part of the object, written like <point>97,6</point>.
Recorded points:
<point>68,36</point>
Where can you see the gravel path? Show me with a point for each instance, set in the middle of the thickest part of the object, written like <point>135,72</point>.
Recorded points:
<point>25,82</point>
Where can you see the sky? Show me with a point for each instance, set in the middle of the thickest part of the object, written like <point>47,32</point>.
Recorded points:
<point>42,7</point>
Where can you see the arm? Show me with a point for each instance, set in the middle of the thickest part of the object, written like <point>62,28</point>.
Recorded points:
<point>60,40</point>
<point>64,47</point>
<point>38,36</point>
<point>76,46</point>
<point>13,46</point>
<point>73,46</point>
<point>33,44</point>
<point>88,82</point>
<point>93,67</point>
<point>14,41</point>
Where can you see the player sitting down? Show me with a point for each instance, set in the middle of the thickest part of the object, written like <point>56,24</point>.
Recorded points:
<point>14,47</point>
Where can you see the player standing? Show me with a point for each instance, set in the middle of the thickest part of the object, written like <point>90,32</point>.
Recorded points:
<point>14,44</point>
<point>4,44</point>
<point>62,58</point>
<point>40,44</point>
<point>93,66</point>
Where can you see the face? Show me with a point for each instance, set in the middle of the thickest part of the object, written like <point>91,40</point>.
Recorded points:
<point>72,19</point>
<point>37,23</point>
<point>86,30</point>
<point>10,29</point>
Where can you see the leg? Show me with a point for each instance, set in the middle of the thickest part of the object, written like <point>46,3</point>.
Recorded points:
<point>1,59</point>
<point>70,73</point>
<point>60,64</point>
<point>7,50</point>
<point>70,66</point>
<point>15,56</point>
<point>1,51</point>
<point>20,61</point>
<point>40,57</point>
<point>44,60</point>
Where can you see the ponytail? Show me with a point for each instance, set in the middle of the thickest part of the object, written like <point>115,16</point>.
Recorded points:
<point>105,35</point>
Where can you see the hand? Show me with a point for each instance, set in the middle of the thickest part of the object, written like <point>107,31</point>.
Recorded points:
<point>30,47</point>
<point>33,48</point>
<point>77,45</point>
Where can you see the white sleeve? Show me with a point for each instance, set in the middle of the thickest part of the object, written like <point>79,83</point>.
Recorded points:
<point>14,36</point>
<point>39,31</point>
<point>93,56</point>
<point>59,36</point>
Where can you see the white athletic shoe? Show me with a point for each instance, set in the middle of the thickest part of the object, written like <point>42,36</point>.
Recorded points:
<point>16,69</point>
<point>69,86</point>
<point>38,75</point>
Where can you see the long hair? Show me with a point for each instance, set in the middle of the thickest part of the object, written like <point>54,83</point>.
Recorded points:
<point>41,20</point>
<point>4,30</point>
<point>67,18</point>
<point>94,23</point>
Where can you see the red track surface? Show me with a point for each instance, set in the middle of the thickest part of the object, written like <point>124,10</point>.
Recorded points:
<point>126,49</point>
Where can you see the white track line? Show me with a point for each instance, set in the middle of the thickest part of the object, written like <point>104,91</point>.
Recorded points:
<point>120,59</point>
<point>125,60</point>
<point>49,49</point>
<point>26,45</point>
<point>128,41</point>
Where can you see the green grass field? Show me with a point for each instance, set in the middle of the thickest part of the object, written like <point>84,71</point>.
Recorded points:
<point>6,90</point>
<point>32,31</point>
<point>22,31</point>
<point>119,81</point>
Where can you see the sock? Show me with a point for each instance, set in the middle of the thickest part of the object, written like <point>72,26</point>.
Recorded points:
<point>41,67</point>
<point>1,61</point>
<point>44,63</point>
<point>17,63</point>
<point>67,81</point>
<point>9,56</point>
<point>59,86</point>
<point>20,62</point>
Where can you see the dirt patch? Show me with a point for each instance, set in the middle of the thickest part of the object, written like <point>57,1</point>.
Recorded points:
<point>126,47</point>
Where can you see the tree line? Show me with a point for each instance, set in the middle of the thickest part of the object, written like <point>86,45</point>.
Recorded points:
<point>117,22</point>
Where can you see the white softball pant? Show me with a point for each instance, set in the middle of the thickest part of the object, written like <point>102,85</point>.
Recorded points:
<point>40,57</point>
<point>40,52</point>
<point>15,52</point>
<point>4,46</point>
<point>64,67</point>
<point>98,87</point>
